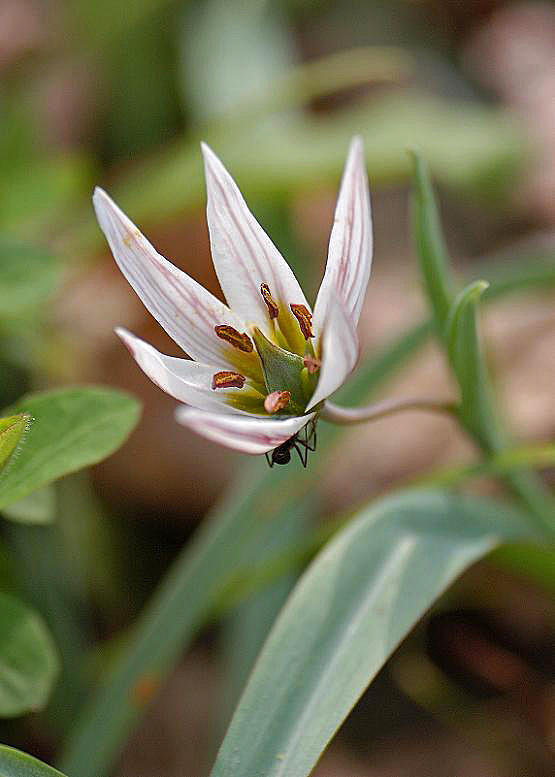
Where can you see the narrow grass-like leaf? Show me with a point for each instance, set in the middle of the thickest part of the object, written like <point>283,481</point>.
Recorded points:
<point>456,327</point>
<point>463,348</point>
<point>430,244</point>
<point>28,659</point>
<point>349,611</point>
<point>14,763</point>
<point>72,428</point>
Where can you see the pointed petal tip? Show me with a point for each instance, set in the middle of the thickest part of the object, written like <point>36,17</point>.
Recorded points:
<point>99,195</point>
<point>103,204</point>
<point>123,333</point>
<point>209,157</point>
<point>127,338</point>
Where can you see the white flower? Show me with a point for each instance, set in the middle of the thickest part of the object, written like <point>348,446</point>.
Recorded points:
<point>260,369</point>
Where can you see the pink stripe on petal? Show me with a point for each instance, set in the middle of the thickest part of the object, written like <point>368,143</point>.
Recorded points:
<point>243,254</point>
<point>183,379</point>
<point>186,310</point>
<point>350,248</point>
<point>243,434</point>
<point>340,351</point>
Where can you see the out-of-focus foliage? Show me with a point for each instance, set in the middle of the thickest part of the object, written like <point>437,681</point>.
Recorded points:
<point>72,429</point>
<point>14,763</point>
<point>28,659</point>
<point>28,277</point>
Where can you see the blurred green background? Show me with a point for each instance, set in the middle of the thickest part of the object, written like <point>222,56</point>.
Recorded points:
<point>120,94</point>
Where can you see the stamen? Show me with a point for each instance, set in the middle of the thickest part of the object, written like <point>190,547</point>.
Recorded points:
<point>276,401</point>
<point>227,379</point>
<point>239,340</point>
<point>312,364</point>
<point>304,317</point>
<point>271,304</point>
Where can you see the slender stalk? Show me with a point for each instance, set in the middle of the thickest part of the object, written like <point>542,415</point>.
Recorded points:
<point>357,415</point>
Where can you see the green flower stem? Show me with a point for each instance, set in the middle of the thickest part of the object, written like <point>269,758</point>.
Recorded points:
<point>356,415</point>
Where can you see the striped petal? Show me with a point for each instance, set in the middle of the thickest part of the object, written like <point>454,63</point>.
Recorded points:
<point>245,257</point>
<point>340,351</point>
<point>185,380</point>
<point>247,435</point>
<point>186,310</point>
<point>350,248</point>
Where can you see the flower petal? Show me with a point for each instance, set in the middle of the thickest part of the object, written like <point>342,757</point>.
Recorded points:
<point>243,254</point>
<point>186,310</point>
<point>340,351</point>
<point>186,380</point>
<point>247,435</point>
<point>350,248</point>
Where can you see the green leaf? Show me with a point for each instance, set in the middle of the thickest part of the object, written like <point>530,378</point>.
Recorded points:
<point>12,434</point>
<point>464,351</point>
<point>28,659</point>
<point>349,611</point>
<point>28,276</point>
<point>14,763</point>
<point>430,244</point>
<point>73,428</point>
<point>38,507</point>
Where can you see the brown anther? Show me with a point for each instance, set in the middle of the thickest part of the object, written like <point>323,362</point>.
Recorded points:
<point>276,401</point>
<point>239,340</point>
<point>227,379</point>
<point>271,304</point>
<point>304,317</point>
<point>312,364</point>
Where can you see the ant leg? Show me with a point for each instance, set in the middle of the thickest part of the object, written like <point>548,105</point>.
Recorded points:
<point>313,439</point>
<point>269,460</point>
<point>310,438</point>
<point>303,454</point>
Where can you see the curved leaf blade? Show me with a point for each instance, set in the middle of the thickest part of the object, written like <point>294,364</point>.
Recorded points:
<point>73,428</point>
<point>14,763</point>
<point>430,243</point>
<point>464,351</point>
<point>350,610</point>
<point>28,659</point>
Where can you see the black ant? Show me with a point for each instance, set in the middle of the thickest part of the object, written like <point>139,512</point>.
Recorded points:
<point>282,454</point>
